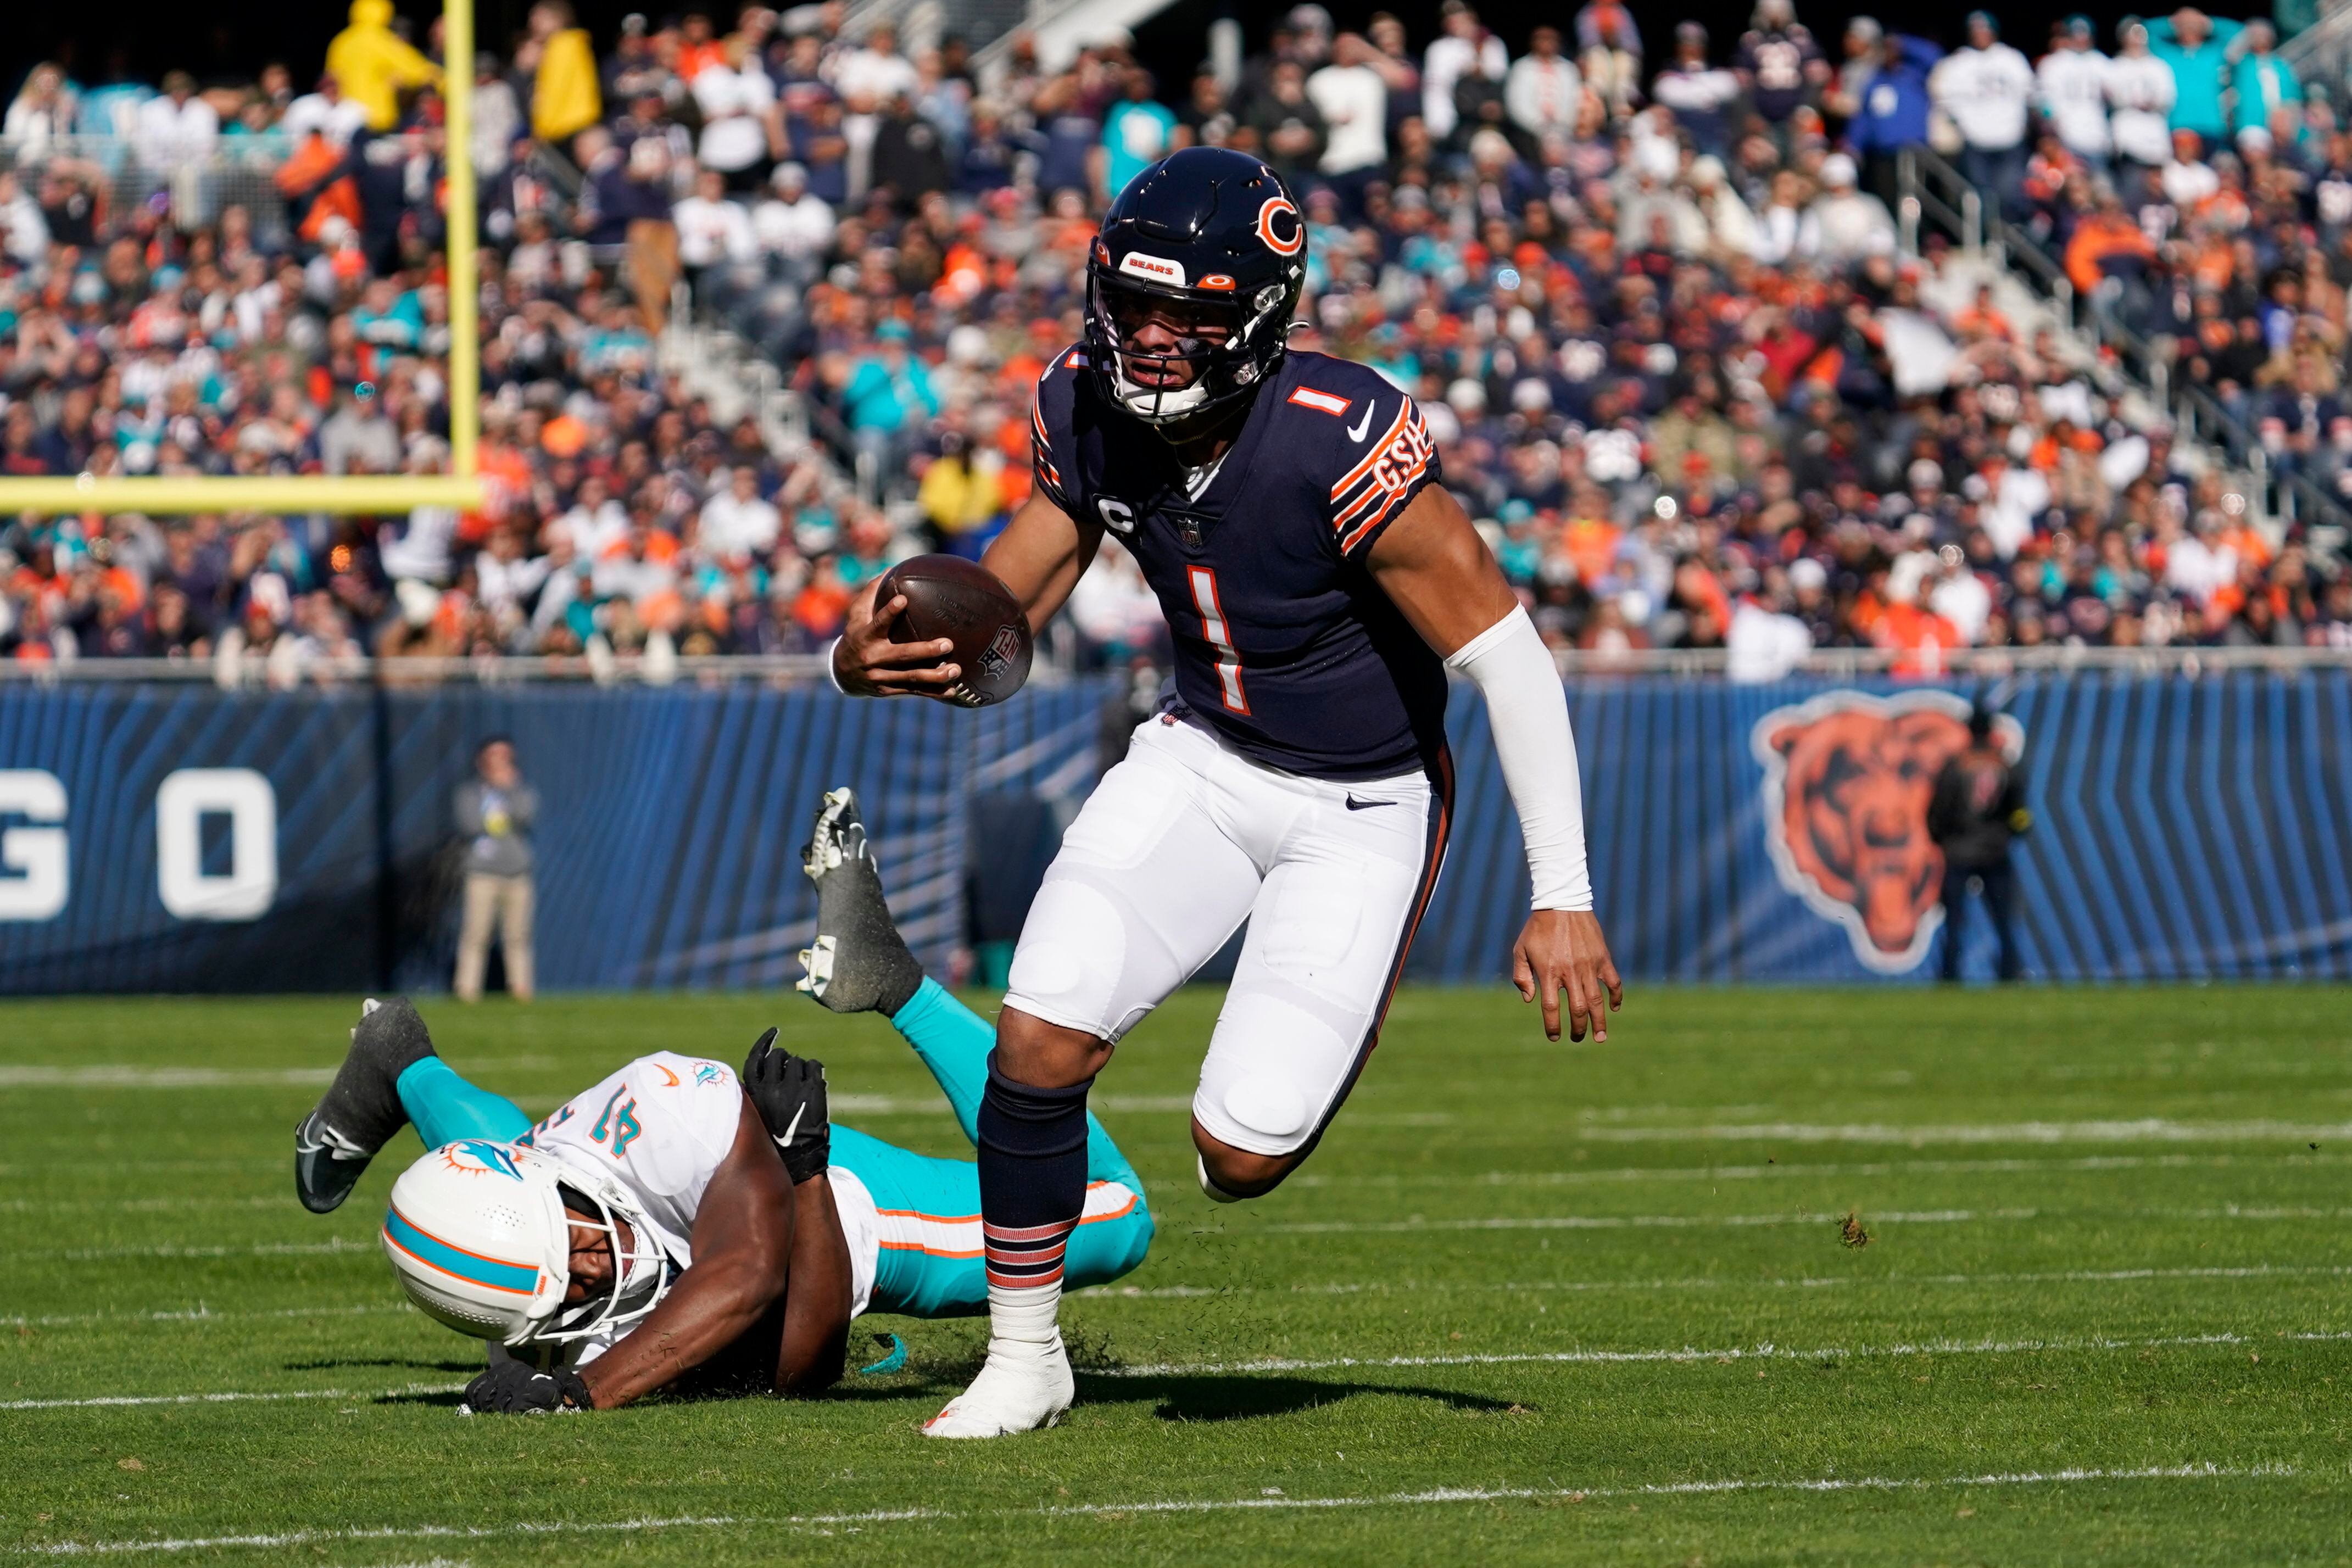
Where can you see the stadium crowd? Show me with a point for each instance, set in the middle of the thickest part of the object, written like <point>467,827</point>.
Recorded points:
<point>1652,304</point>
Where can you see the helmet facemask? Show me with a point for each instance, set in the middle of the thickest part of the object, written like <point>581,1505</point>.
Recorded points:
<point>1219,341</point>
<point>641,1273</point>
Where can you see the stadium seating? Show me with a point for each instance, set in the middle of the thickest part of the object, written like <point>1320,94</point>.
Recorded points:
<point>1704,387</point>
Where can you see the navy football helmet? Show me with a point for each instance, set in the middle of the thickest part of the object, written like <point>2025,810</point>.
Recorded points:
<point>1208,244</point>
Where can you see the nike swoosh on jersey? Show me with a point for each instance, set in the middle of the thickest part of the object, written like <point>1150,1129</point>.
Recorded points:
<point>1356,805</point>
<point>1364,424</point>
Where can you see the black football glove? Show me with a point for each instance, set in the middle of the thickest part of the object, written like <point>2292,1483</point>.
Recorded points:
<point>788,1090</point>
<point>518,1388</point>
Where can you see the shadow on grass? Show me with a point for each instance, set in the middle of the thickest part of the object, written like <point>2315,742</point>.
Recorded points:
<point>408,1363</point>
<point>450,1397</point>
<point>1250,1397</point>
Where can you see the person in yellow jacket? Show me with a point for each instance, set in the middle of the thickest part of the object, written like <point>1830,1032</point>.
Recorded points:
<point>564,98</point>
<point>372,63</point>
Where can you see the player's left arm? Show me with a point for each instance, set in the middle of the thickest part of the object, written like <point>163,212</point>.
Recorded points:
<point>1432,565</point>
<point>743,1235</point>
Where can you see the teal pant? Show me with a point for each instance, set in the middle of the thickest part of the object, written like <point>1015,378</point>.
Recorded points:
<point>931,1264</point>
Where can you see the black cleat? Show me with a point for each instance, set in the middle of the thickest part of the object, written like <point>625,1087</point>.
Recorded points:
<point>361,1109</point>
<point>860,963</point>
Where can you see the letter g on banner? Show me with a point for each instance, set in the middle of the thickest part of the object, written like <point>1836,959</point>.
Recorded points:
<point>33,869</point>
<point>182,804</point>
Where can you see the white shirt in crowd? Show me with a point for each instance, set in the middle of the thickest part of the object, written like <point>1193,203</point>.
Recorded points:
<point>1847,226</point>
<point>711,232</point>
<point>869,73</point>
<point>794,230</point>
<point>732,102</point>
<point>2197,570</point>
<point>2141,90</point>
<point>1443,67</point>
<point>2009,507</point>
<point>421,549</point>
<point>171,132</point>
<point>735,524</point>
<point>593,530</point>
<point>1354,103</point>
<point>1543,96</point>
<point>336,119</point>
<point>2075,91</point>
<point>1987,92</point>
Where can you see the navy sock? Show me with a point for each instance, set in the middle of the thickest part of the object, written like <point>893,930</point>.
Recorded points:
<point>1033,1188</point>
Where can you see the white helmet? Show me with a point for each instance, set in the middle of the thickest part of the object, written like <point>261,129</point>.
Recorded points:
<point>479,1236</point>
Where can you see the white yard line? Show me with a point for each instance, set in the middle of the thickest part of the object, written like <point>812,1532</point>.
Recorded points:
<point>1269,1501</point>
<point>35,1075</point>
<point>2228,1211</point>
<point>1637,1174</point>
<point>256,1250</point>
<point>2150,1130</point>
<point>200,1313</point>
<point>1727,1353</point>
<point>1442,1287</point>
<point>275,1396</point>
<point>1627,1221</point>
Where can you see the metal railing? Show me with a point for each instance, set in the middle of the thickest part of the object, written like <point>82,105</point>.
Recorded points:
<point>247,671</point>
<point>237,172</point>
<point>1932,192</point>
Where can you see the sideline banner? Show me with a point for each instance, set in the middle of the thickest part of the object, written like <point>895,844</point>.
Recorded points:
<point>178,838</point>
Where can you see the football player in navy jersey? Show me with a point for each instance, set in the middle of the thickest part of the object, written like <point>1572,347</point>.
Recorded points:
<point>1321,583</point>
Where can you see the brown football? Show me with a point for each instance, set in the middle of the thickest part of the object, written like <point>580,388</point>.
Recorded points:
<point>961,600</point>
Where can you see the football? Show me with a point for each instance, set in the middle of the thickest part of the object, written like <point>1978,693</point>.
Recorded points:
<point>961,600</point>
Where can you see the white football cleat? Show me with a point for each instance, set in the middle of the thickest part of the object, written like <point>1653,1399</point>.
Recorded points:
<point>1024,1386</point>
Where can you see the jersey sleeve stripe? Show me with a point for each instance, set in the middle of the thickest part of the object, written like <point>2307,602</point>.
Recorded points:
<point>1397,425</point>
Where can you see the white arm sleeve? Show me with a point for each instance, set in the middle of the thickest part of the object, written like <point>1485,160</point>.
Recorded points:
<point>1528,714</point>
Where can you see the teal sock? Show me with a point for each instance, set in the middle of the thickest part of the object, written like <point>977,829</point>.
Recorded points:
<point>954,1042</point>
<point>446,1108</point>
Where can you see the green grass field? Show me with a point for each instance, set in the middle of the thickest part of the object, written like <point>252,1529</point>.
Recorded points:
<point>1528,1303</point>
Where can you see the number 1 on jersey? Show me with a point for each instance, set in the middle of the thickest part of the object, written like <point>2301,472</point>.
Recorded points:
<point>1212,628</point>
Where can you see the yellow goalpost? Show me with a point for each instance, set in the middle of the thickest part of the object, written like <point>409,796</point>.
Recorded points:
<point>462,488</point>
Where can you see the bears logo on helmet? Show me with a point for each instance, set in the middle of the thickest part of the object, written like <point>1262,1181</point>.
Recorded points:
<point>1279,226</point>
<point>1192,285</point>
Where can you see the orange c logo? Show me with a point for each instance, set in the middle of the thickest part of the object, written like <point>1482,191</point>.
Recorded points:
<point>1279,226</point>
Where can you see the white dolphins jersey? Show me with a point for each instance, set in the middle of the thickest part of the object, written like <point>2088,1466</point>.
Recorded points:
<point>661,1125</point>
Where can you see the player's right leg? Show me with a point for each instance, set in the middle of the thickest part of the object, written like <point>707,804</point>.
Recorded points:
<point>390,1077</point>
<point>1149,884</point>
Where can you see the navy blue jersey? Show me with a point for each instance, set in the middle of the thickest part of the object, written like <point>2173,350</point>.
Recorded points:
<point>1285,645</point>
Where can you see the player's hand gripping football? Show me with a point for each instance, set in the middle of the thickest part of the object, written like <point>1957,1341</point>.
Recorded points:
<point>788,1092</point>
<point>1563,950</point>
<point>867,663</point>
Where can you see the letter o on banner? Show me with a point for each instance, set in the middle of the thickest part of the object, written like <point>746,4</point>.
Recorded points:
<point>185,799</point>
<point>33,873</point>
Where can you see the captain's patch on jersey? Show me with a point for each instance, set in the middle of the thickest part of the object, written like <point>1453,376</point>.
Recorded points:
<point>1307,397</point>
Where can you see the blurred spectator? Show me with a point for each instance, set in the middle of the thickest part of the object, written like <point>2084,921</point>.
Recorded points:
<point>374,66</point>
<point>561,64</point>
<point>1975,811</point>
<point>2195,48</point>
<point>1988,90</point>
<point>496,812</point>
<point>1137,133</point>
<point>1463,50</point>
